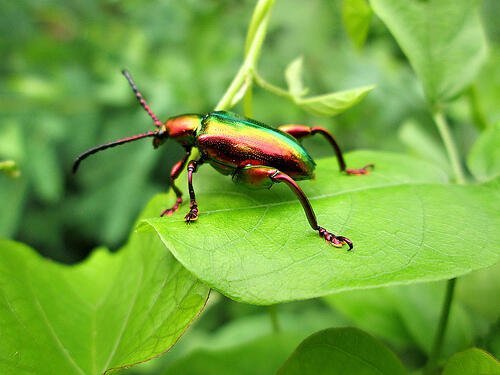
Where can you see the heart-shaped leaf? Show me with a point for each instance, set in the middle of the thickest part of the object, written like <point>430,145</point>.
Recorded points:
<point>443,39</point>
<point>342,351</point>
<point>333,103</point>
<point>484,157</point>
<point>472,361</point>
<point>356,16</point>
<point>257,247</point>
<point>111,311</point>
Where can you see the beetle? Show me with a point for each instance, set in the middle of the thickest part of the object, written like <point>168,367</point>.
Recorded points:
<point>254,154</point>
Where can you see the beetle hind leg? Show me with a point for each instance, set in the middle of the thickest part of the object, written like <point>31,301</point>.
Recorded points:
<point>259,176</point>
<point>301,131</point>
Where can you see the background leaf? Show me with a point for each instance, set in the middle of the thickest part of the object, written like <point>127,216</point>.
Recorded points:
<point>403,230</point>
<point>356,16</point>
<point>110,311</point>
<point>293,75</point>
<point>406,315</point>
<point>484,157</point>
<point>342,351</point>
<point>443,39</point>
<point>262,356</point>
<point>472,362</point>
<point>334,103</point>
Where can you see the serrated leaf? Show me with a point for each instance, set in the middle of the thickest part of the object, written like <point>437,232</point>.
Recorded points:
<point>293,76</point>
<point>472,361</point>
<point>334,103</point>
<point>356,16</point>
<point>484,157</point>
<point>257,247</point>
<point>112,310</point>
<point>443,39</point>
<point>342,351</point>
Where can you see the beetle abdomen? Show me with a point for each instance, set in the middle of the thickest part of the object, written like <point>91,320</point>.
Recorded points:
<point>228,140</point>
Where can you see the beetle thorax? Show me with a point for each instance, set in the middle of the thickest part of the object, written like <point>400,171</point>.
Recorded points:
<point>183,128</point>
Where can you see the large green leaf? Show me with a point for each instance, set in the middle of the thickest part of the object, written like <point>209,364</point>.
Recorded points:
<point>443,39</point>
<point>472,361</point>
<point>337,351</point>
<point>484,158</point>
<point>262,356</point>
<point>257,247</point>
<point>112,310</point>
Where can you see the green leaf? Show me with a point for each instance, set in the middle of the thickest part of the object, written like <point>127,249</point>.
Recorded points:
<point>333,103</point>
<point>356,16</point>
<point>421,144</point>
<point>484,157</point>
<point>405,315</point>
<point>257,247</point>
<point>472,361</point>
<point>443,39</point>
<point>111,311</point>
<point>10,168</point>
<point>260,356</point>
<point>293,76</point>
<point>342,351</point>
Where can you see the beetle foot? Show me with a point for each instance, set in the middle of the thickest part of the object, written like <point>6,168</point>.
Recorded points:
<point>359,172</point>
<point>334,240</point>
<point>192,214</point>
<point>175,207</point>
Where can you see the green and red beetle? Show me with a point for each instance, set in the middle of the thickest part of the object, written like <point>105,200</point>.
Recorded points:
<point>254,154</point>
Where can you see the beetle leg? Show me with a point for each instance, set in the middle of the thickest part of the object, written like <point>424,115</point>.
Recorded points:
<point>192,215</point>
<point>260,176</point>
<point>302,131</point>
<point>174,173</point>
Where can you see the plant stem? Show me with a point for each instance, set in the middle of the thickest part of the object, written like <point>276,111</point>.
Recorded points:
<point>451,149</point>
<point>270,87</point>
<point>255,37</point>
<point>432,363</point>
<point>444,130</point>
<point>274,319</point>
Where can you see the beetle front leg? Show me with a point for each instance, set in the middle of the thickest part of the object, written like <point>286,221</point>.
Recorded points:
<point>192,215</point>
<point>302,131</point>
<point>174,173</point>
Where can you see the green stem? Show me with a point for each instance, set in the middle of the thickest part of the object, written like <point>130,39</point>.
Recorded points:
<point>451,149</point>
<point>432,364</point>
<point>270,87</point>
<point>274,319</point>
<point>255,38</point>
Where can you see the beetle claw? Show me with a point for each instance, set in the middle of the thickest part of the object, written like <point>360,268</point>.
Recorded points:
<point>337,241</point>
<point>192,215</point>
<point>361,171</point>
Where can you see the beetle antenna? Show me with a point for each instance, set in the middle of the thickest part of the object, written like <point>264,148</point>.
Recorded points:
<point>108,145</point>
<point>140,98</point>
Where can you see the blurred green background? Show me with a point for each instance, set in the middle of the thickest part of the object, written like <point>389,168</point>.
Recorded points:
<point>62,92</point>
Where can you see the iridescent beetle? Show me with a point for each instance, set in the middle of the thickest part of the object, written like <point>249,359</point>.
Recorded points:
<point>253,153</point>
